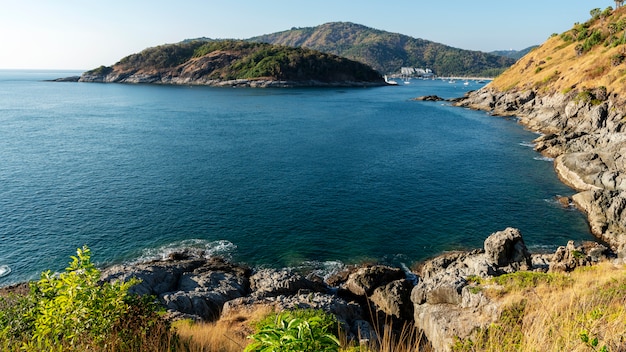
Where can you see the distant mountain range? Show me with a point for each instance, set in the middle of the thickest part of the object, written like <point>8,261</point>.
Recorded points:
<point>514,54</point>
<point>387,52</point>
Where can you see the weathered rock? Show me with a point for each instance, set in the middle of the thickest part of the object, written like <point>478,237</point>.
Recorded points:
<point>443,323</point>
<point>568,258</point>
<point>507,247</point>
<point>196,288</point>
<point>347,313</point>
<point>365,280</point>
<point>272,282</point>
<point>155,278</point>
<point>394,299</point>
<point>586,139</point>
<point>446,305</point>
<point>429,98</point>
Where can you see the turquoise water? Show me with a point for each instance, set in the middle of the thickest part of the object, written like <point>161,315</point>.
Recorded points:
<point>268,177</point>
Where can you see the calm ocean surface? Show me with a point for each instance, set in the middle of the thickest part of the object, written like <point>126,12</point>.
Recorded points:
<point>267,177</point>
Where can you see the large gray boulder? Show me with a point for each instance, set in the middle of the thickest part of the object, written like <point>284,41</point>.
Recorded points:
<point>276,282</point>
<point>192,288</point>
<point>365,280</point>
<point>394,299</point>
<point>507,247</point>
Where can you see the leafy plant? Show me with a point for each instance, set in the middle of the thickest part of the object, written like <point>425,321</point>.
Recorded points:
<point>74,311</point>
<point>300,330</point>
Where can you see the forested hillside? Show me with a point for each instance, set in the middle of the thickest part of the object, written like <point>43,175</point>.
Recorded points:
<point>388,52</point>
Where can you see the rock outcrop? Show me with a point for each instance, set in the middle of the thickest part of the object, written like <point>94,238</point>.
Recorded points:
<point>586,138</point>
<point>444,304</point>
<point>440,298</point>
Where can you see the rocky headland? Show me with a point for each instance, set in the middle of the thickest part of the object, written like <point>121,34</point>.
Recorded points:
<point>235,64</point>
<point>571,91</point>
<point>586,138</point>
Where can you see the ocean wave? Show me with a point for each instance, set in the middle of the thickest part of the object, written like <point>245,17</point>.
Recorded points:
<point>323,269</point>
<point>527,144</point>
<point>198,248</point>
<point>4,270</point>
<point>544,158</point>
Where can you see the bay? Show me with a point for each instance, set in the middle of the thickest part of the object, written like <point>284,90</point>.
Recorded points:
<point>268,177</point>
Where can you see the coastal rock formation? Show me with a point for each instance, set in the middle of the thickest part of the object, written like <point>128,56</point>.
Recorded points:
<point>587,140</point>
<point>444,305</point>
<point>439,298</point>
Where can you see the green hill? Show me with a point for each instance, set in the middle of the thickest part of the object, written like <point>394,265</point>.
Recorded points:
<point>229,62</point>
<point>388,52</point>
<point>513,54</point>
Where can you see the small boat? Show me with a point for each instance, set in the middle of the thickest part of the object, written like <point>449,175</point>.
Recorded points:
<point>390,82</point>
<point>4,270</point>
<point>466,83</point>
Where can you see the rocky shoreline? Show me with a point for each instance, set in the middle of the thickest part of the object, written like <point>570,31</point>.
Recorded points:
<point>236,83</point>
<point>437,298</point>
<point>585,133</point>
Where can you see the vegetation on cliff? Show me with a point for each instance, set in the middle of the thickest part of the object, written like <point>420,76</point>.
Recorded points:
<point>588,56</point>
<point>388,52</point>
<point>204,61</point>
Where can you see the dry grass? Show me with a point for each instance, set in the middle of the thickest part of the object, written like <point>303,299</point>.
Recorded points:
<point>228,334</point>
<point>555,66</point>
<point>553,316</point>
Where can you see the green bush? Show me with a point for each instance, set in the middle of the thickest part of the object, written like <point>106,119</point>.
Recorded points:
<point>73,311</point>
<point>298,330</point>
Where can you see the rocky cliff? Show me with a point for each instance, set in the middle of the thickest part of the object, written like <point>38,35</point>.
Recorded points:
<point>570,90</point>
<point>235,63</point>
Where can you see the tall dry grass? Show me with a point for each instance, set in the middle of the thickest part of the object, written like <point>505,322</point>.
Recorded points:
<point>228,334</point>
<point>587,314</point>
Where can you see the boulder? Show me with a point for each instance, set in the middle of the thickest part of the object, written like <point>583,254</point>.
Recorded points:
<point>365,280</point>
<point>568,258</point>
<point>155,277</point>
<point>347,313</point>
<point>394,299</point>
<point>276,282</point>
<point>506,248</point>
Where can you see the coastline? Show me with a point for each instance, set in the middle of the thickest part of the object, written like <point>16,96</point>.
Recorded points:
<point>586,141</point>
<point>438,296</point>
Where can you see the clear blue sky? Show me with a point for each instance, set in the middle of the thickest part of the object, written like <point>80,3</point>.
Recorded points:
<point>84,34</point>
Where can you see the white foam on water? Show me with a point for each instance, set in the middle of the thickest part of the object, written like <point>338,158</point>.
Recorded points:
<point>324,269</point>
<point>543,158</point>
<point>409,274</point>
<point>4,270</point>
<point>198,248</point>
<point>527,144</point>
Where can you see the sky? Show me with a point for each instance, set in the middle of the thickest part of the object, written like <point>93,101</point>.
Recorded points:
<point>84,34</point>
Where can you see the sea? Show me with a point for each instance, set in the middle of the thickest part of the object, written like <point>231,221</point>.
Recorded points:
<point>308,178</point>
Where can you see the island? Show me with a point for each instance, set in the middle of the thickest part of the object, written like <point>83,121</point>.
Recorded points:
<point>232,63</point>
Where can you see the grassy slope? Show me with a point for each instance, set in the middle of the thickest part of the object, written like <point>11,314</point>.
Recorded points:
<point>554,312</point>
<point>556,67</point>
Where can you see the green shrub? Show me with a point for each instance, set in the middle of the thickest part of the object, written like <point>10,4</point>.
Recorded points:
<point>298,330</point>
<point>73,311</point>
